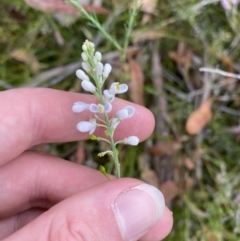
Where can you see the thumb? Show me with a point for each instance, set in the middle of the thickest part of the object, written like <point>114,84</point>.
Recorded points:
<point>123,209</point>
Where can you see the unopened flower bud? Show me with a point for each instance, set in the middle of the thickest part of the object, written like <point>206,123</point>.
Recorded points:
<point>88,86</point>
<point>99,68</point>
<point>98,56</point>
<point>107,70</point>
<point>91,45</point>
<point>84,47</point>
<point>85,66</point>
<point>84,56</point>
<point>81,75</point>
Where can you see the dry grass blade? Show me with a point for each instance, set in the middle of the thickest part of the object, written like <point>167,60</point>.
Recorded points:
<point>147,175</point>
<point>165,149</point>
<point>138,36</point>
<point>27,58</point>
<point>136,83</point>
<point>148,6</point>
<point>62,6</point>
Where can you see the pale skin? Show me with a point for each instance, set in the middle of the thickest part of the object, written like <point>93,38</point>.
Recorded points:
<point>31,183</point>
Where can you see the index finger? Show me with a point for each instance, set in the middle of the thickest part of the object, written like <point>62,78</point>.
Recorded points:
<point>30,116</point>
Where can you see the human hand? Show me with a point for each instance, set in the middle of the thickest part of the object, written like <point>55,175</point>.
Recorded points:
<point>45,198</point>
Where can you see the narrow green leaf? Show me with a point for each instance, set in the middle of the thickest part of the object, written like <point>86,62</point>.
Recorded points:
<point>103,171</point>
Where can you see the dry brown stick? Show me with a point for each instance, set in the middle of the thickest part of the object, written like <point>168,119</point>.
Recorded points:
<point>164,165</point>
<point>162,117</point>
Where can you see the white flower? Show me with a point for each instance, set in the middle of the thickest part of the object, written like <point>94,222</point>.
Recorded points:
<point>107,97</point>
<point>115,88</point>
<point>84,56</point>
<point>107,69</point>
<point>98,56</point>
<point>107,94</point>
<point>99,68</point>
<point>86,67</point>
<point>88,86</point>
<point>122,114</point>
<point>79,107</point>
<point>131,140</point>
<point>81,75</point>
<point>126,112</point>
<point>99,108</point>
<point>87,126</point>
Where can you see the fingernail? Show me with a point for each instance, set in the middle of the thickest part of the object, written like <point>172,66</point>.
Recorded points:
<point>137,210</point>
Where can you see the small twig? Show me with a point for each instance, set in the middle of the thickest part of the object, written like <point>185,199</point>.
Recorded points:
<point>163,165</point>
<point>181,95</point>
<point>219,71</point>
<point>59,72</point>
<point>233,130</point>
<point>216,86</point>
<point>229,110</point>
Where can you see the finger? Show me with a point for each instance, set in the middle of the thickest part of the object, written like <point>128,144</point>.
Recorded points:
<point>165,224</point>
<point>31,116</point>
<point>10,225</point>
<point>123,209</point>
<point>37,180</point>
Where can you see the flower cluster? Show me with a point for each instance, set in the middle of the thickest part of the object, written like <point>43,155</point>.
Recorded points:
<point>93,69</point>
<point>229,4</point>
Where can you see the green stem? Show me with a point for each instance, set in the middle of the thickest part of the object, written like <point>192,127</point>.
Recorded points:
<point>96,24</point>
<point>111,132</point>
<point>103,139</point>
<point>114,149</point>
<point>129,29</point>
<point>98,118</point>
<point>100,125</point>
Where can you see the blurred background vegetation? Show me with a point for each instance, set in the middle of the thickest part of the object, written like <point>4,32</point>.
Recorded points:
<point>193,156</point>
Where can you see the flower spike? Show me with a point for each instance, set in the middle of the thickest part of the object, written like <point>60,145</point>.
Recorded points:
<point>93,76</point>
